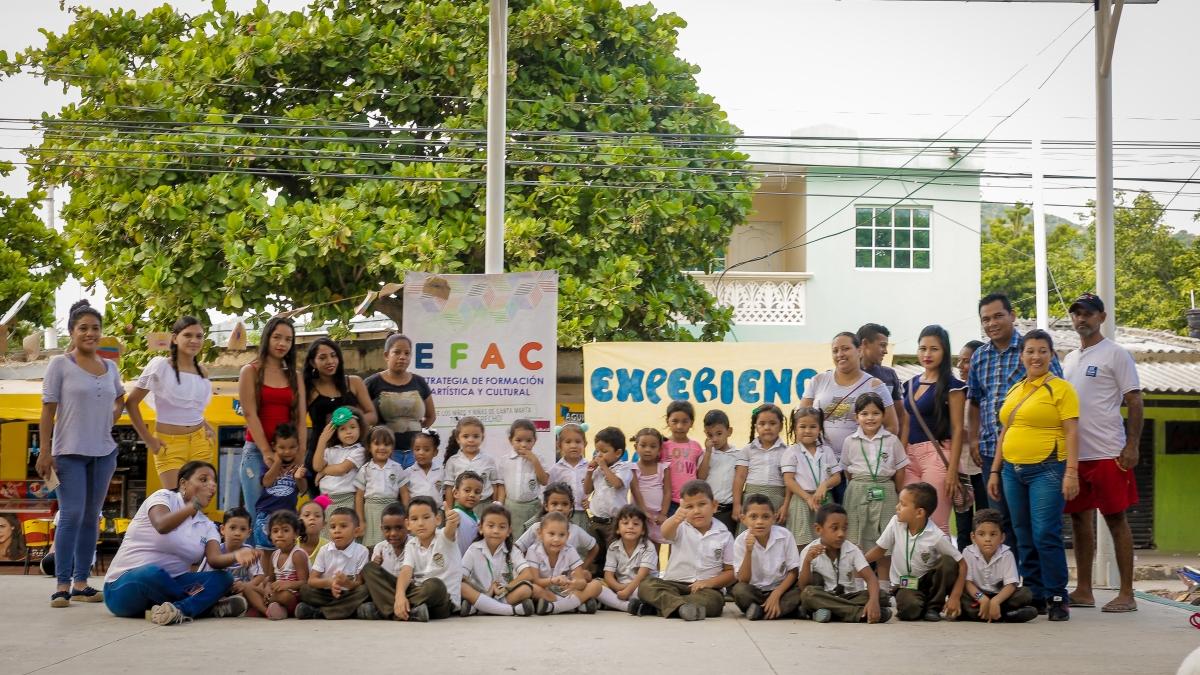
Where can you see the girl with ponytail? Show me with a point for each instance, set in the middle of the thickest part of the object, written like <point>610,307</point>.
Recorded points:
<point>181,393</point>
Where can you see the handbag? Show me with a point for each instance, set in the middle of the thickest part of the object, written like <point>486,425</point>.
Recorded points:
<point>964,497</point>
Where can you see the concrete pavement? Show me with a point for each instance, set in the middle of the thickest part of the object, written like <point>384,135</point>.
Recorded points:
<point>36,638</point>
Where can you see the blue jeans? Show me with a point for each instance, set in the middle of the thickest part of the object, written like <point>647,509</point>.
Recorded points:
<point>261,536</point>
<point>84,484</point>
<point>1034,496</point>
<point>137,590</point>
<point>250,475</point>
<point>1001,505</point>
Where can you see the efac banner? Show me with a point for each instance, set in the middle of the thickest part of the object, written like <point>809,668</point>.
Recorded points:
<point>488,346</point>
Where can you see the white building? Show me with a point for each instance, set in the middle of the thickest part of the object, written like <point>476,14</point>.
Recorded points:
<point>865,238</point>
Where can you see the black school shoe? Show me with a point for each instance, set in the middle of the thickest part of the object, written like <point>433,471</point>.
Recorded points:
<point>1020,615</point>
<point>1040,605</point>
<point>1058,609</point>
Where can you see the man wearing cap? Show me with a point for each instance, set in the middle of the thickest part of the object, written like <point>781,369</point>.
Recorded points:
<point>1104,376</point>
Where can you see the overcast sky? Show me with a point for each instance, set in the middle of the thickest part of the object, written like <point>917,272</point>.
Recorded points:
<point>901,69</point>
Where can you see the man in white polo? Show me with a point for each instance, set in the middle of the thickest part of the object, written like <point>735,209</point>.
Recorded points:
<point>1104,376</point>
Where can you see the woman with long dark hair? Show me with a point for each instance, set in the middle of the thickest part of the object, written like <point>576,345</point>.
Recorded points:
<point>181,393</point>
<point>82,397</point>
<point>932,431</point>
<point>271,393</point>
<point>330,388</point>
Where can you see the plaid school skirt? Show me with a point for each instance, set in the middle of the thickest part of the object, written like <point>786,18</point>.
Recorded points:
<point>866,519</point>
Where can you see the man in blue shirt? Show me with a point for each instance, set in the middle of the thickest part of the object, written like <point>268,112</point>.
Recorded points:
<point>995,368</point>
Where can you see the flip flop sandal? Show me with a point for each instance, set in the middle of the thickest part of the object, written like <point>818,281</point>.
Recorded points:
<point>1120,609</point>
<point>1082,604</point>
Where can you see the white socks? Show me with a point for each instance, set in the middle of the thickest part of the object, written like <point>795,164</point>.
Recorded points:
<point>608,598</point>
<point>567,604</point>
<point>486,604</point>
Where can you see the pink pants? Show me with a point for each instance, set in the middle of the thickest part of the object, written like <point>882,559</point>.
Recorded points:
<point>924,465</point>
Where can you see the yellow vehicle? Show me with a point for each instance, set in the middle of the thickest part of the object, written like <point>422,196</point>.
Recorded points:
<point>21,410</point>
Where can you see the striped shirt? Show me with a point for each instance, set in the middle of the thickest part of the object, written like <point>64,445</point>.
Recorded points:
<point>993,373</point>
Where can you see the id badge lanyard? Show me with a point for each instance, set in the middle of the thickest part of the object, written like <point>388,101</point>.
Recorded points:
<point>816,481</point>
<point>910,549</point>
<point>878,459</point>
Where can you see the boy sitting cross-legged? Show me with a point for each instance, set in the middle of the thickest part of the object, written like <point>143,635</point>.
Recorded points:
<point>701,561</point>
<point>992,592</point>
<point>837,581</point>
<point>927,571</point>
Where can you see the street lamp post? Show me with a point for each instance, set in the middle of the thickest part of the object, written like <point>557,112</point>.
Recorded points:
<point>496,121</point>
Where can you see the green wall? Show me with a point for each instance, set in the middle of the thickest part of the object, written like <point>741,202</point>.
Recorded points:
<point>1176,492</point>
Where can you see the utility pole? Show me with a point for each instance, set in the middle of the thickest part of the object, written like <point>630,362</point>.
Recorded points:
<point>496,122</point>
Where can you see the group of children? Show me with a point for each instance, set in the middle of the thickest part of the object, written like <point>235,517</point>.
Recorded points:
<point>477,536</point>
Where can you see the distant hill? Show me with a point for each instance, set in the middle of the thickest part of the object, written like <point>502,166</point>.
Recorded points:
<point>990,211</point>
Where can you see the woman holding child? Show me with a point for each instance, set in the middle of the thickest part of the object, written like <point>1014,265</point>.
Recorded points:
<point>1038,456</point>
<point>330,388</point>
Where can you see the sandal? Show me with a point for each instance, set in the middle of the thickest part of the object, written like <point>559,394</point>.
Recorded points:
<point>87,594</point>
<point>1113,608</point>
<point>60,599</point>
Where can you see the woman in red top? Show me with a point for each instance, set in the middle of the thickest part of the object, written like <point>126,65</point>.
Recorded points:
<point>271,393</point>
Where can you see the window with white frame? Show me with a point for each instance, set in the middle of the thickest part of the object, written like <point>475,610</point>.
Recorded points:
<point>892,238</point>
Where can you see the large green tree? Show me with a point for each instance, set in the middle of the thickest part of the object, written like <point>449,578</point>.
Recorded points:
<point>1155,268</point>
<point>33,259</point>
<point>282,159</point>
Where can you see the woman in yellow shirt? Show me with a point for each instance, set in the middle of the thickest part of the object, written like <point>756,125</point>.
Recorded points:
<point>1038,458</point>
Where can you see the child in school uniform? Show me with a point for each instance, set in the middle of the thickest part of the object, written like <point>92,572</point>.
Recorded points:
<point>759,463</point>
<point>464,452</point>
<point>249,582</point>
<point>571,468</point>
<point>992,592</point>
<point>557,498</point>
<point>607,482</point>
<point>466,490</point>
<point>496,578</point>
<point>632,558</point>
<point>381,574</point>
<point>836,582</point>
<point>700,563</point>
<point>874,459</point>
<point>718,464</point>
<point>335,585</point>
<point>927,571</point>
<point>765,563</point>
<point>430,579</point>
<point>337,464</point>
<point>810,471</point>
<point>524,476</point>
<point>560,584</point>
<point>380,482</point>
<point>426,476</point>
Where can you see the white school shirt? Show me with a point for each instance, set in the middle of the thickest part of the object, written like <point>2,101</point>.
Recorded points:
<point>481,566</point>
<point>770,564</point>
<point>810,469</point>
<point>1101,374</point>
<point>440,560</point>
<point>886,459</point>
<point>850,562</point>
<point>422,484</point>
<point>577,538</point>
<point>763,463</point>
<point>991,575</point>
<point>625,566</point>
<point>381,481</point>
<point>607,500</point>
<point>388,558</point>
<point>695,556</point>
<point>175,552</point>
<point>520,480</point>
<point>483,464</point>
<point>720,474</point>
<point>562,472</point>
<point>336,454</point>
<point>349,561</point>
<point>929,545</point>
<point>539,559</point>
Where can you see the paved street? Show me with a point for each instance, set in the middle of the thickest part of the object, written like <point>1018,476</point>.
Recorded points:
<point>36,638</point>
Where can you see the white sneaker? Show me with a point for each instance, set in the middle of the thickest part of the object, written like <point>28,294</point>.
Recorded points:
<point>167,614</point>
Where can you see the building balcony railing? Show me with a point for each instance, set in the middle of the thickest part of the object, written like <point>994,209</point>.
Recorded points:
<point>759,298</point>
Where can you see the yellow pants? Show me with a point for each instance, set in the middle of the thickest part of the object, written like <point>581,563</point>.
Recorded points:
<point>179,450</point>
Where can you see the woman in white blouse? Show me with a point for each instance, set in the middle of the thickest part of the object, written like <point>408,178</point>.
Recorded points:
<point>181,393</point>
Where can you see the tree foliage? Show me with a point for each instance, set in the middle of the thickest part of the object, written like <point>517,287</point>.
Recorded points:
<point>273,159</point>
<point>33,259</point>
<point>1154,267</point>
